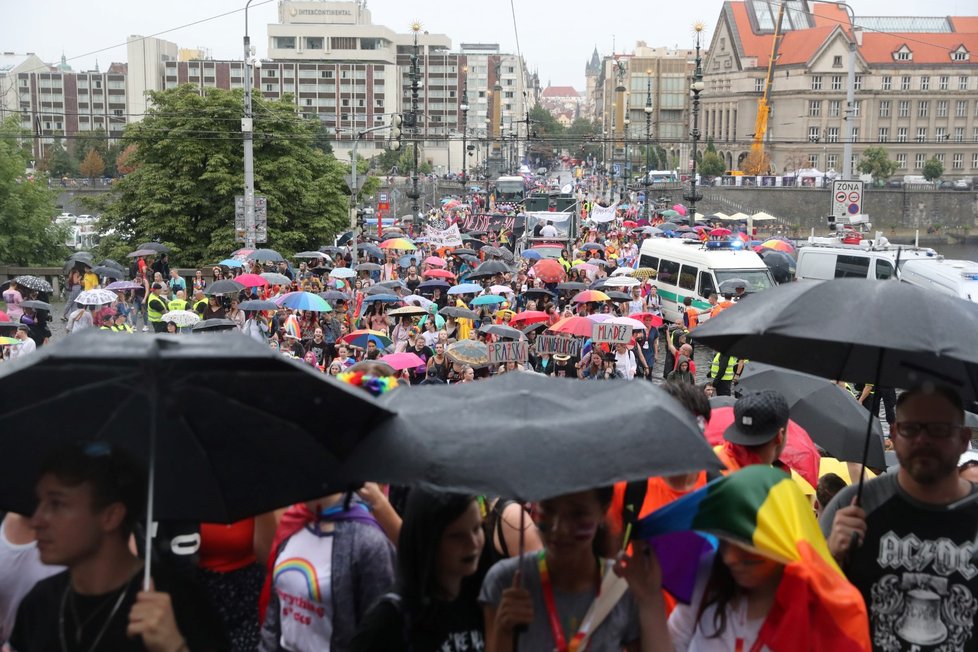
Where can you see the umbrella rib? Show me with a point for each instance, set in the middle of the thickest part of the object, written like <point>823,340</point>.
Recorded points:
<point>69,393</point>
<point>115,413</point>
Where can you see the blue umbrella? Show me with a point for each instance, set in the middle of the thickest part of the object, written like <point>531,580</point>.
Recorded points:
<point>304,301</point>
<point>434,283</point>
<point>383,298</point>
<point>487,299</point>
<point>408,260</point>
<point>466,288</point>
<point>531,254</point>
<point>231,262</point>
<point>371,250</point>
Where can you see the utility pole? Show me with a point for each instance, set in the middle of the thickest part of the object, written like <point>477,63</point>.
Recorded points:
<point>412,122</point>
<point>247,130</point>
<point>696,87</point>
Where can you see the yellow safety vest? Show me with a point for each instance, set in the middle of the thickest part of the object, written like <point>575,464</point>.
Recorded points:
<point>201,307</point>
<point>155,314</point>
<point>177,304</point>
<point>728,373</point>
<point>121,328</point>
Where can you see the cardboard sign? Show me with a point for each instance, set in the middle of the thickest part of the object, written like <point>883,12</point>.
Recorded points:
<point>439,238</point>
<point>556,345</point>
<point>500,352</point>
<point>611,333</point>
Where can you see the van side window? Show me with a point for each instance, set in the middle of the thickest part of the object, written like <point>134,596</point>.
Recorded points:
<point>706,285</point>
<point>652,262</point>
<point>851,266</point>
<point>884,269</point>
<point>668,272</point>
<point>687,278</point>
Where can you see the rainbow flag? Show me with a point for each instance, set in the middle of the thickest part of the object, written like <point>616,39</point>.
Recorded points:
<point>762,509</point>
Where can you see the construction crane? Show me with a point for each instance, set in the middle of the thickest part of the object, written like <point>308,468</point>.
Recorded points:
<point>757,162</point>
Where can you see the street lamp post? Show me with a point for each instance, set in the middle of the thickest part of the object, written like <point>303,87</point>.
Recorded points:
<point>464,107</point>
<point>627,171</point>
<point>648,140</point>
<point>696,87</point>
<point>247,131</point>
<point>414,193</point>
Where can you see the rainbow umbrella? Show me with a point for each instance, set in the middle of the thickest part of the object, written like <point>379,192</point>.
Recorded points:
<point>304,301</point>
<point>590,295</point>
<point>360,338</point>
<point>10,341</point>
<point>401,244</point>
<point>778,245</point>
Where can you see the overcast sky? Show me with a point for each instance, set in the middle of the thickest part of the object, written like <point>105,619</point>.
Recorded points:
<point>556,37</point>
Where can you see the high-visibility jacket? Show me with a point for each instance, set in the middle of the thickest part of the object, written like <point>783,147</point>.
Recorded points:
<point>177,304</point>
<point>200,307</point>
<point>155,307</point>
<point>728,373</point>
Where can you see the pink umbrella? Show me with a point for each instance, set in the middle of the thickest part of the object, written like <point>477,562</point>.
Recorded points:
<point>720,233</point>
<point>600,317</point>
<point>628,321</point>
<point>401,361</point>
<point>679,208</point>
<point>435,261</point>
<point>251,280</point>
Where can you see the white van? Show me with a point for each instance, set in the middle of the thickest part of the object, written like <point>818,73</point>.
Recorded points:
<point>692,269</point>
<point>958,278</point>
<point>827,258</point>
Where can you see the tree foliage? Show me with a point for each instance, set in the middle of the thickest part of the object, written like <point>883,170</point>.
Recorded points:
<point>712,165</point>
<point>757,162</point>
<point>27,208</point>
<point>125,162</point>
<point>876,161</point>
<point>57,161</point>
<point>933,169</point>
<point>188,167</point>
<point>93,165</point>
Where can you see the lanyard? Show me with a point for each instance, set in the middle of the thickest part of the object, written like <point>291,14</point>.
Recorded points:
<point>556,629</point>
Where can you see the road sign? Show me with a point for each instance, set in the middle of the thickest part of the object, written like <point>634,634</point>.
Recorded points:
<point>360,180</point>
<point>847,198</point>
<point>616,169</point>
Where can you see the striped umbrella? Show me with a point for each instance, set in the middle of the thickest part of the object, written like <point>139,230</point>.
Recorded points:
<point>590,295</point>
<point>304,301</point>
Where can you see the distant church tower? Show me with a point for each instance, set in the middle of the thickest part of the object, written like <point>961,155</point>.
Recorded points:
<point>591,73</point>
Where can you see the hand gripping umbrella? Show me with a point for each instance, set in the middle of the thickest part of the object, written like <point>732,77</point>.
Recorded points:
<point>259,444</point>
<point>859,330</point>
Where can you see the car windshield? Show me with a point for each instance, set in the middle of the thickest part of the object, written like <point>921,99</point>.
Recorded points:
<point>757,279</point>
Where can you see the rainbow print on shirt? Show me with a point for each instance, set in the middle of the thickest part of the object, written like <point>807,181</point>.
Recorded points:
<point>302,566</point>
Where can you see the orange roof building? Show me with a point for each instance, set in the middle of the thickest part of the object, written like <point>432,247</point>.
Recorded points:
<point>916,86</point>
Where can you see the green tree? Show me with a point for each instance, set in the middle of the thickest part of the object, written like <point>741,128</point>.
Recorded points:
<point>876,161</point>
<point>933,169</point>
<point>581,139</point>
<point>92,165</point>
<point>712,165</point>
<point>26,208</point>
<point>188,170</point>
<point>56,160</point>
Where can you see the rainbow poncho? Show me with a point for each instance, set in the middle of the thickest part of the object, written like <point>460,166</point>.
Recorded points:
<point>760,507</point>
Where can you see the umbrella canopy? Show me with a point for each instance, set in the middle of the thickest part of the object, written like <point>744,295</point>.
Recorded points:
<point>96,297</point>
<point>436,261</point>
<point>499,330</point>
<point>487,300</point>
<point>140,252</point>
<point>465,288</point>
<point>549,423</point>
<point>182,318</point>
<point>434,283</point>
<point>335,295</point>
<point>361,337</point>
<point>653,320</point>
<point>572,286</point>
<point>318,255</point>
<point>382,298</point>
<point>437,273</point>
<point>622,282</point>
<point>35,283</point>
<point>123,285</point>
<point>108,262</point>
<point>251,280</point>
<point>529,317</point>
<point>458,313</point>
<point>304,301</point>
<point>216,465</point>
<point>832,416</point>
<point>107,272</point>
<point>531,254</point>
<point>258,304</point>
<point>368,267</point>
<point>778,244</point>
<point>224,286</point>
<point>334,250</point>
<point>636,324</point>
<point>490,268</point>
<point>618,297</point>
<point>274,278</point>
<point>500,289</point>
<point>468,352</point>
<point>401,244</point>
<point>462,251</point>
<point>549,270</point>
<point>644,273</point>
<point>579,326</point>
<point>266,256</point>
<point>215,325</point>
<point>592,246</point>
<point>904,335</point>
<point>402,361</point>
<point>539,292</point>
<point>408,311</point>
<point>781,264</point>
<point>36,305</point>
<point>733,285</point>
<point>231,262</point>
<point>10,341</point>
<point>342,272</point>
<point>155,246</point>
<point>590,295</point>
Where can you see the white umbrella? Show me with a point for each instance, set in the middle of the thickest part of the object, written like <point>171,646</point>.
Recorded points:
<point>96,297</point>
<point>761,216</point>
<point>182,318</point>
<point>342,272</point>
<point>622,282</point>
<point>627,321</point>
<point>417,299</point>
<point>500,289</point>
<point>276,279</point>
<point>623,271</point>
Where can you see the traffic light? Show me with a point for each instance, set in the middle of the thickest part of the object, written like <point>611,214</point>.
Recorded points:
<point>396,122</point>
<point>361,220</point>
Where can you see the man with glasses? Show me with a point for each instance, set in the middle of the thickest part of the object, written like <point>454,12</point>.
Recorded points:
<point>908,547</point>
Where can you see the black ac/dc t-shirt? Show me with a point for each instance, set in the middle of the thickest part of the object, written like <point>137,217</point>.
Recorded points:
<point>914,569</point>
<point>39,628</point>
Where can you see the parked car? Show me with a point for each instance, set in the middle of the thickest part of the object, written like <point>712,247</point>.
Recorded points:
<point>962,184</point>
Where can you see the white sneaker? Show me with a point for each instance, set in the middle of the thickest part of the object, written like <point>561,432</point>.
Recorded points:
<point>145,328</point>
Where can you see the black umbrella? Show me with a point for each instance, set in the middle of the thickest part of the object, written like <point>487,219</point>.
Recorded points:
<point>224,286</point>
<point>343,239</point>
<point>462,251</point>
<point>108,272</point>
<point>833,418</point>
<point>368,267</point>
<point>36,305</point>
<point>214,325</point>
<point>379,289</point>
<point>330,249</point>
<point>473,243</point>
<point>473,233</point>
<point>108,262</point>
<point>490,268</point>
<point>555,436</point>
<point>35,283</point>
<point>257,304</point>
<point>500,330</point>
<point>394,284</point>
<point>335,295</point>
<point>458,313</point>
<point>781,264</point>
<point>434,283</point>
<point>252,441</point>
<point>618,296</point>
<point>533,327</point>
<point>265,255</point>
<point>471,260</point>
<point>572,286</point>
<point>592,246</point>
<point>539,292</point>
<point>155,246</point>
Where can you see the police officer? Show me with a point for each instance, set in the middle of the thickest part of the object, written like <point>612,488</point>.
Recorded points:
<point>178,303</point>
<point>724,371</point>
<point>155,307</point>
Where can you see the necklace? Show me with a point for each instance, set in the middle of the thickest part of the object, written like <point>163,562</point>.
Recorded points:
<point>79,626</point>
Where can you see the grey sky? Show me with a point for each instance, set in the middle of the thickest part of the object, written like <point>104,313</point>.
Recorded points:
<point>556,37</point>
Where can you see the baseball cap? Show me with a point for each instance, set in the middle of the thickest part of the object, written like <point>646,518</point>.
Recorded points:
<point>967,458</point>
<point>757,418</point>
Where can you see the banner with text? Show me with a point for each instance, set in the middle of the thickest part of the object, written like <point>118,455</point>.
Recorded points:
<point>500,352</point>
<point>603,213</point>
<point>439,238</point>
<point>515,224</point>
<point>556,345</point>
<point>611,333</point>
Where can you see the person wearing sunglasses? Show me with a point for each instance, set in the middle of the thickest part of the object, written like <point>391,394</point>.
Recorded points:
<point>908,544</point>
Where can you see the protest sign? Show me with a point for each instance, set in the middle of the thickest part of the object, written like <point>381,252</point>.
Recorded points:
<point>507,351</point>
<point>611,333</point>
<point>556,345</point>
<point>439,238</point>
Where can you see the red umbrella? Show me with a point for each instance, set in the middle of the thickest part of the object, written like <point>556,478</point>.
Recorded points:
<point>435,260</point>
<point>648,318</point>
<point>629,224</point>
<point>251,280</point>
<point>720,233</point>
<point>4,316</point>
<point>580,326</point>
<point>528,317</point>
<point>799,453</point>
<point>438,273</point>
<point>549,270</point>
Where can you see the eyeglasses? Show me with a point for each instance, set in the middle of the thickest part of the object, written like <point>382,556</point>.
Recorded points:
<point>935,429</point>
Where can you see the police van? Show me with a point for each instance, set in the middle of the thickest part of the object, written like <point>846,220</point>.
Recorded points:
<point>687,268</point>
<point>822,259</point>
<point>957,278</point>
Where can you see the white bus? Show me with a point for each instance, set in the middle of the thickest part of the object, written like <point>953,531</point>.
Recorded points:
<point>694,269</point>
<point>663,176</point>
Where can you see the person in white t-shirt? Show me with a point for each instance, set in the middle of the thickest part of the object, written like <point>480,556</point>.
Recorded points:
<point>20,568</point>
<point>26,345</point>
<point>548,231</point>
<point>625,361</point>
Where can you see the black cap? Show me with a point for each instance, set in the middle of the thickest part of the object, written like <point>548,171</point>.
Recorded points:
<point>757,418</point>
